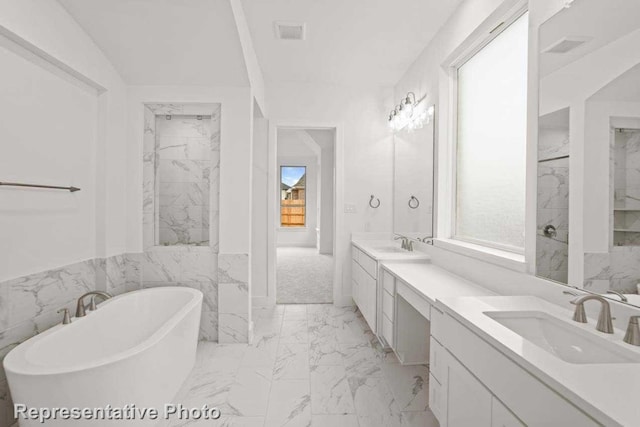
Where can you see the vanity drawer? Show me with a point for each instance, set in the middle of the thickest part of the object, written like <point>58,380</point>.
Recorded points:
<point>387,330</point>
<point>415,299</point>
<point>388,303</point>
<point>437,360</point>
<point>369,264</point>
<point>388,282</point>
<point>437,320</point>
<point>355,253</point>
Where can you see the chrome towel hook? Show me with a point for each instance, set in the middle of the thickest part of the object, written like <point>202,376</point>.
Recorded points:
<point>374,206</point>
<point>414,202</point>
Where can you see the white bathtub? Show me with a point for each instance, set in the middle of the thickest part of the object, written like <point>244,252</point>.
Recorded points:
<point>137,348</point>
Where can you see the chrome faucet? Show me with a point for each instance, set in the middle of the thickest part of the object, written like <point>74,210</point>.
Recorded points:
<point>605,324</point>
<point>81,309</point>
<point>633,331</point>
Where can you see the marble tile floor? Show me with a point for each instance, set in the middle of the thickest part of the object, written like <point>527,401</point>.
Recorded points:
<point>310,366</point>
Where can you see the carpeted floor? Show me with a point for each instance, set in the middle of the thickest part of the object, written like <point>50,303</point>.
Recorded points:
<point>304,276</point>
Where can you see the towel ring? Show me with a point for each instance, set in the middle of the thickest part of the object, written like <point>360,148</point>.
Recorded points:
<point>414,202</point>
<point>376,206</point>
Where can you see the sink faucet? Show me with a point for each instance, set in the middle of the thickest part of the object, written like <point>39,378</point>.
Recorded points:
<point>406,243</point>
<point>622,297</point>
<point>80,309</point>
<point>633,331</point>
<point>605,323</point>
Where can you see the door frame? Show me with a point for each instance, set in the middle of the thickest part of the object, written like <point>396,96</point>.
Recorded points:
<point>338,204</point>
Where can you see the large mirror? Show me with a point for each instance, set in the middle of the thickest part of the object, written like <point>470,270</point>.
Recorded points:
<point>588,227</point>
<point>413,181</point>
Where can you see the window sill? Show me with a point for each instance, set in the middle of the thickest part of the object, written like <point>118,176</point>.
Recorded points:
<point>505,259</point>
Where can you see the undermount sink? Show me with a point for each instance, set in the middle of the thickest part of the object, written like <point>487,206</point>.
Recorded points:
<point>561,339</point>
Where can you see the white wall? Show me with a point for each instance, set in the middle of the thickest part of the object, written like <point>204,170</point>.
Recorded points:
<point>259,269</point>
<point>363,142</point>
<point>59,133</point>
<point>325,138</point>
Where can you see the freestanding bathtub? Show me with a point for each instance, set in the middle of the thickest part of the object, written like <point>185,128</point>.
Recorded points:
<point>135,349</point>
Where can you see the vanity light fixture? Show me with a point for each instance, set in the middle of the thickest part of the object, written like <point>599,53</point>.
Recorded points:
<point>411,113</point>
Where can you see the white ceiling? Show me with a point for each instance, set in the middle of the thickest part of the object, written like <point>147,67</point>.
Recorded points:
<point>626,88</point>
<point>347,41</point>
<point>195,42</point>
<point>166,42</point>
<point>602,21</point>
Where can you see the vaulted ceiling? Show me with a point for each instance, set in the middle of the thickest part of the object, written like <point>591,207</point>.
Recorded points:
<point>195,42</point>
<point>166,42</point>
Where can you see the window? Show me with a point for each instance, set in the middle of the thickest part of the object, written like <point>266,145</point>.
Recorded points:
<point>292,196</point>
<point>491,141</point>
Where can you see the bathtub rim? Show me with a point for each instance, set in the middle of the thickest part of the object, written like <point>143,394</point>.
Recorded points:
<point>16,363</point>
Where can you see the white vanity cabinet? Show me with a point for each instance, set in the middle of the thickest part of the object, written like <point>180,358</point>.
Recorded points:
<point>472,384</point>
<point>364,273</point>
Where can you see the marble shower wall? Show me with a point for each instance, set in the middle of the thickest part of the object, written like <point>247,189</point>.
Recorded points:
<point>29,304</point>
<point>626,188</point>
<point>180,203</point>
<point>552,254</point>
<point>618,270</point>
<point>184,155</point>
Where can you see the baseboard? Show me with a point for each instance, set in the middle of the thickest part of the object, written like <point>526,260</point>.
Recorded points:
<point>344,301</point>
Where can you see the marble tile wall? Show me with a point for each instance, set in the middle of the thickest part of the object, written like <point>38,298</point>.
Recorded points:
<point>180,208</point>
<point>29,304</point>
<point>184,150</point>
<point>234,318</point>
<point>552,253</point>
<point>618,270</point>
<point>191,266</point>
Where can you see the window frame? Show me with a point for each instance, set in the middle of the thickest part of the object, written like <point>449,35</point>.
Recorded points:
<point>475,47</point>
<point>293,227</point>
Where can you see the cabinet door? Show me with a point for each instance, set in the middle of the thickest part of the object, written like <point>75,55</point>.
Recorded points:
<point>468,402</point>
<point>355,282</point>
<point>502,417</point>
<point>368,296</point>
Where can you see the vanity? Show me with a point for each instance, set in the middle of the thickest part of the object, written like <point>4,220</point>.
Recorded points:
<point>507,361</point>
<point>521,361</point>
<point>367,257</point>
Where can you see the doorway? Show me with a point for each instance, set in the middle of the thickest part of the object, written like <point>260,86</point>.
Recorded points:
<point>304,226</point>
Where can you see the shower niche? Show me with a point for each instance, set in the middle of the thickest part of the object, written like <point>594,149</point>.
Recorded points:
<point>182,156</point>
<point>626,186</point>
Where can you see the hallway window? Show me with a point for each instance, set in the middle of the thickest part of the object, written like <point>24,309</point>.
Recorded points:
<point>292,196</point>
<point>491,141</point>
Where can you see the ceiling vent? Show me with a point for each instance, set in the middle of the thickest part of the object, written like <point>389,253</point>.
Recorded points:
<point>290,31</point>
<point>566,44</point>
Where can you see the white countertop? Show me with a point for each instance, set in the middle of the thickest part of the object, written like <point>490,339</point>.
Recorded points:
<point>375,249</point>
<point>434,282</point>
<point>608,392</point>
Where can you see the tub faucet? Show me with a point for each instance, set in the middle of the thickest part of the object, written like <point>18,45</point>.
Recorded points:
<point>605,324</point>
<point>80,309</point>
